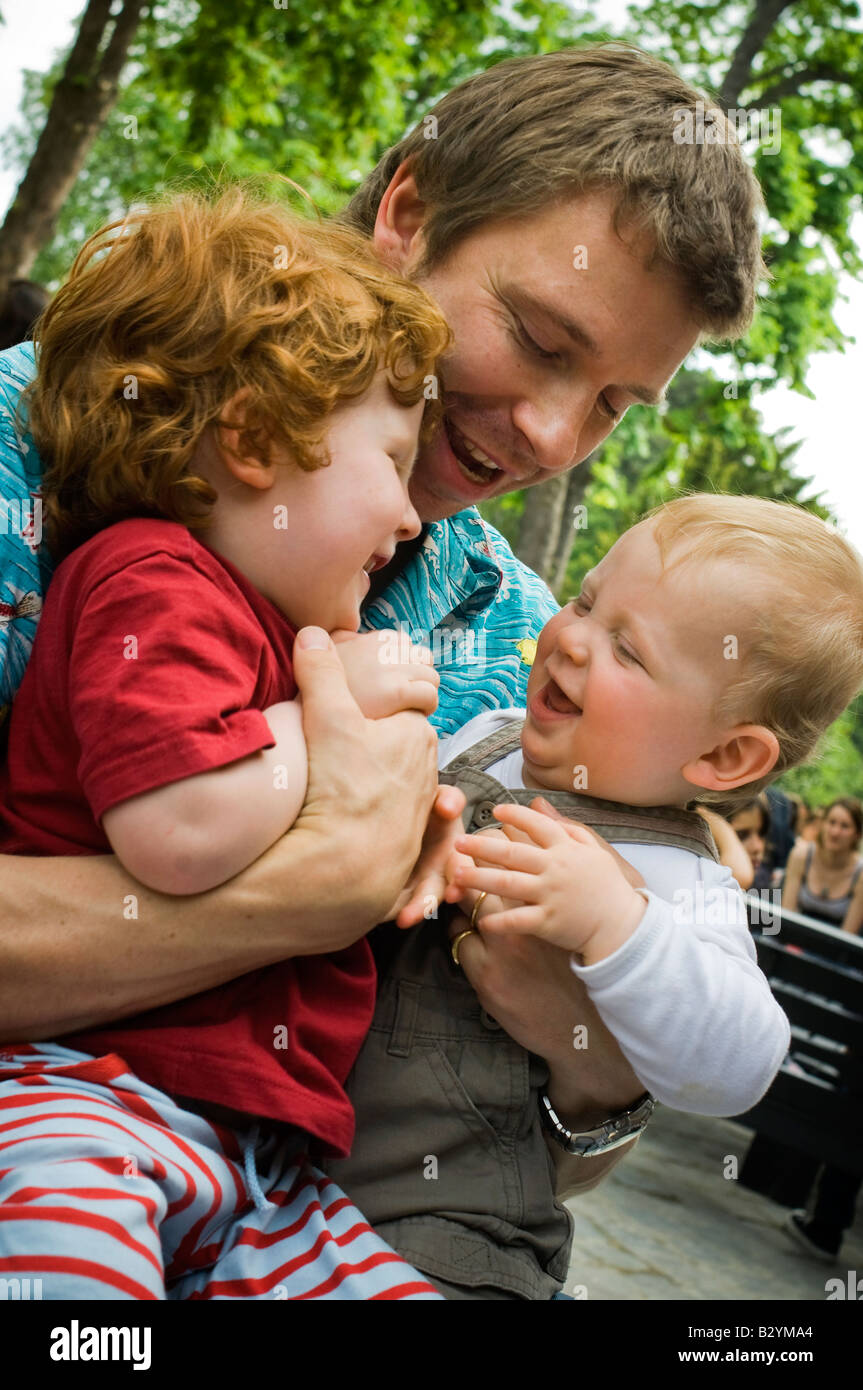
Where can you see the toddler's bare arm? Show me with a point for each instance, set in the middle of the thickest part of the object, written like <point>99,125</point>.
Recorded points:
<point>192,835</point>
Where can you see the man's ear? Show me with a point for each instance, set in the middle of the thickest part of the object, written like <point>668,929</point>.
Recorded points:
<point>746,753</point>
<point>244,452</point>
<point>398,233</point>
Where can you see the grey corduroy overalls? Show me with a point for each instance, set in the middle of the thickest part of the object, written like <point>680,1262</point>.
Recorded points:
<point>449,1162</point>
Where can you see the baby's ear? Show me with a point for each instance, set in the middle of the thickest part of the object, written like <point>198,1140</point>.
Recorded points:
<point>746,753</point>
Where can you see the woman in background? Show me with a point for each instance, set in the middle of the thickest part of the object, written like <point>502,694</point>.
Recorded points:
<point>823,879</point>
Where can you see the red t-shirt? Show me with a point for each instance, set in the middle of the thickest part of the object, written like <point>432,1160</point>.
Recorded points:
<point>153,660</point>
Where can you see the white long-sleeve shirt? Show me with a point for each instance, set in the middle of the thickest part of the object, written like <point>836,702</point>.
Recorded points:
<point>683,996</point>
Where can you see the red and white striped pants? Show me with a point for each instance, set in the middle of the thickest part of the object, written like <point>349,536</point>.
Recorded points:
<point>110,1190</point>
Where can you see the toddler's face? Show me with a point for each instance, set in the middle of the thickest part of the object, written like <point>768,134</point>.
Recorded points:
<point>621,692</point>
<point>344,519</point>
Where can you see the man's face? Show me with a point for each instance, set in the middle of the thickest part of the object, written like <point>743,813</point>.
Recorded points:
<point>531,395</point>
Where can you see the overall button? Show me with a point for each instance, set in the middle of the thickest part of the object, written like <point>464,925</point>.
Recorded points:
<point>490,1023</point>
<point>484,813</point>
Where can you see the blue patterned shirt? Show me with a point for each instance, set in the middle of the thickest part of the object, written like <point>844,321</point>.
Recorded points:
<point>466,596</point>
<point>25,566</point>
<point>463,594</point>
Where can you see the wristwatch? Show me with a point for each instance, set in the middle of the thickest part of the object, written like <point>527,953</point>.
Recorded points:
<point>588,1143</point>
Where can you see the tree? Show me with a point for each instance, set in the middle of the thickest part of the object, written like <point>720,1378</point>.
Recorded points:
<point>80,101</point>
<point>313,90</point>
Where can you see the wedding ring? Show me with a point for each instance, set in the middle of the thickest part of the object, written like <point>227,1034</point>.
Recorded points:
<point>476,907</point>
<point>457,940</point>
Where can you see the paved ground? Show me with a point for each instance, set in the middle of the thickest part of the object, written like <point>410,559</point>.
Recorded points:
<point>668,1225</point>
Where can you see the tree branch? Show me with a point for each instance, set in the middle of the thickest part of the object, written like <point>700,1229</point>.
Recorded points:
<point>816,72</point>
<point>764,18</point>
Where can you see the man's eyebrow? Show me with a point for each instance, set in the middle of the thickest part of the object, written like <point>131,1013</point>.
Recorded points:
<point>581,338</point>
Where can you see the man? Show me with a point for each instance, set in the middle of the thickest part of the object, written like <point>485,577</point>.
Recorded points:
<point>579,252</point>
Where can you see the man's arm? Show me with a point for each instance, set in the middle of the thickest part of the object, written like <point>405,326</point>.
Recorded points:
<point>82,943</point>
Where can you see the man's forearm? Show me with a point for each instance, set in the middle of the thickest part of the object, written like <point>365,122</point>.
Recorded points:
<point>585,1094</point>
<point>589,1077</point>
<point>82,943</point>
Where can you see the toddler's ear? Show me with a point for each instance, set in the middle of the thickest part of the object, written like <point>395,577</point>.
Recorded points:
<point>244,451</point>
<point>746,753</point>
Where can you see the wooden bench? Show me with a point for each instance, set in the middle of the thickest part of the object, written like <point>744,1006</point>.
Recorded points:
<point>815,971</point>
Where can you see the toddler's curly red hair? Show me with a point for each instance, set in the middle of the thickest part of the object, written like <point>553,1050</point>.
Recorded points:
<point>169,312</point>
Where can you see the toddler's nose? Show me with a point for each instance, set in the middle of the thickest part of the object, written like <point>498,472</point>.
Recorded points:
<point>411,524</point>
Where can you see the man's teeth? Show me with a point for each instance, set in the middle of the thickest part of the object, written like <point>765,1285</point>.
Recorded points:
<point>475,453</point>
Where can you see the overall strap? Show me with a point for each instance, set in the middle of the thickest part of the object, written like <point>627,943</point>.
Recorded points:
<point>613,820</point>
<point>489,749</point>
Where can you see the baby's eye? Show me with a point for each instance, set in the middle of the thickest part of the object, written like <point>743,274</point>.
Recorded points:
<point>580,602</point>
<point>626,653</point>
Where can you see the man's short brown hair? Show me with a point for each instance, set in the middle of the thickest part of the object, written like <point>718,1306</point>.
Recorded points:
<point>529,132</point>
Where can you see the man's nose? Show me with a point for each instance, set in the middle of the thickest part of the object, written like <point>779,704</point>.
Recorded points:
<point>556,426</point>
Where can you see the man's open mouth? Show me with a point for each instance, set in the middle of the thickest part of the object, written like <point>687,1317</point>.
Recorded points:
<point>474,461</point>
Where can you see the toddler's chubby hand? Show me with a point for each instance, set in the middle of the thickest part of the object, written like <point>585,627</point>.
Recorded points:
<point>568,888</point>
<point>387,673</point>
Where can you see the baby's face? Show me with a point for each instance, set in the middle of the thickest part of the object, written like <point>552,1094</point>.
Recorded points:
<point>626,676</point>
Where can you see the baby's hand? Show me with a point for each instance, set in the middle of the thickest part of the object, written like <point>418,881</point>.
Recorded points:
<point>570,890</point>
<point>387,673</point>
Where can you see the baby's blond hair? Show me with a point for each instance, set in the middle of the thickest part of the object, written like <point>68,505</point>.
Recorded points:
<point>800,656</point>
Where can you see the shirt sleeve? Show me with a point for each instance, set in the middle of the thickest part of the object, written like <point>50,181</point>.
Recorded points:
<point>162,672</point>
<point>688,1004</point>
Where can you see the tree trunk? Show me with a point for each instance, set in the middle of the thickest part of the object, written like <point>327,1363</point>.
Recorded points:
<point>82,100</point>
<point>765,14</point>
<point>539,530</point>
<point>577,483</point>
<point>548,524</point>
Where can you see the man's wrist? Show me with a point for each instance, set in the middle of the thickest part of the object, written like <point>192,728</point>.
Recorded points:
<point>582,1111</point>
<point>601,1137</point>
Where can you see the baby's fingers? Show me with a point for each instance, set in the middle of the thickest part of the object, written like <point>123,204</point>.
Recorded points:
<point>543,830</point>
<point>507,854</point>
<point>502,882</point>
<point>520,921</point>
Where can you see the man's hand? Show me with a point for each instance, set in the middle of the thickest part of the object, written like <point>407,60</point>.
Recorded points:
<point>387,673</point>
<point>372,783</point>
<point>429,884</point>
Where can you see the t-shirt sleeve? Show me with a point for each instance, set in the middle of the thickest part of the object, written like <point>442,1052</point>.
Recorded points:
<point>162,671</point>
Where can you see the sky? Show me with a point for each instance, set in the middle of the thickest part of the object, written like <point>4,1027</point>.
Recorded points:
<point>831,449</point>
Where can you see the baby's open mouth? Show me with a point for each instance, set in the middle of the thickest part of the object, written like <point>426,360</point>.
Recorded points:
<point>553,698</point>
